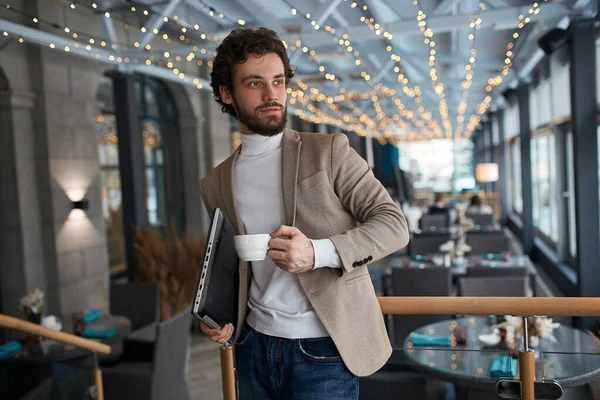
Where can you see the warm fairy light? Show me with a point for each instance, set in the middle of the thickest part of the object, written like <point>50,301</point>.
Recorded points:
<point>492,83</point>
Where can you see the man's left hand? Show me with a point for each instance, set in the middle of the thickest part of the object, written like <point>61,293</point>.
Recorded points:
<point>294,255</point>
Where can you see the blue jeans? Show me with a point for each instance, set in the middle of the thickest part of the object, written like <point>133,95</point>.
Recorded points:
<point>299,369</point>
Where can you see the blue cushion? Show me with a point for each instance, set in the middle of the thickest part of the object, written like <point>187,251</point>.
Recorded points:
<point>430,340</point>
<point>98,334</point>
<point>9,349</point>
<point>503,366</point>
<point>91,316</point>
<point>493,256</point>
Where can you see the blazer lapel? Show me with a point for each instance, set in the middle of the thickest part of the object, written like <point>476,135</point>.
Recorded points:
<point>227,196</point>
<point>290,159</point>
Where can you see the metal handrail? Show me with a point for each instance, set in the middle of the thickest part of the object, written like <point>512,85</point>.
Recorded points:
<point>63,337</point>
<point>521,306</point>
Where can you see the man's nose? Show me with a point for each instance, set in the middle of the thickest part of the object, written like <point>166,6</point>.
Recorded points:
<point>270,94</point>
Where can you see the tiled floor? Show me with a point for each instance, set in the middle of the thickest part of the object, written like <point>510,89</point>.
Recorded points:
<point>204,375</point>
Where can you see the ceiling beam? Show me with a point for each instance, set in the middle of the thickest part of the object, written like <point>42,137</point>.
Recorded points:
<point>497,3</point>
<point>109,29</point>
<point>157,21</point>
<point>445,7</point>
<point>262,16</point>
<point>399,10</point>
<point>198,8</point>
<point>60,43</point>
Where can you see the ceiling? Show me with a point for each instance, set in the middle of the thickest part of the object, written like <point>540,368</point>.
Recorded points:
<point>393,69</point>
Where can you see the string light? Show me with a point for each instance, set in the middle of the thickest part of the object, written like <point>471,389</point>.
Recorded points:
<point>105,42</point>
<point>415,92</point>
<point>494,82</point>
<point>211,11</point>
<point>437,85</point>
<point>345,41</point>
<point>470,68</point>
<point>110,57</point>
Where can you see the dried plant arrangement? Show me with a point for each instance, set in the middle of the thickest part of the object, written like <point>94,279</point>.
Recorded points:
<point>173,262</point>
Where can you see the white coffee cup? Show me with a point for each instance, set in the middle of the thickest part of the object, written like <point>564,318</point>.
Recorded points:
<point>252,247</point>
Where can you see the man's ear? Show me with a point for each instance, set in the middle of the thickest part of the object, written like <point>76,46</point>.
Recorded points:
<point>225,94</point>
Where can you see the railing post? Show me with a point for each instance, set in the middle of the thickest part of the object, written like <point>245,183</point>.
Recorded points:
<point>98,379</point>
<point>527,367</point>
<point>227,372</point>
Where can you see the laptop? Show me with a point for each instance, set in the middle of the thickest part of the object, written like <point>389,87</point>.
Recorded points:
<point>216,302</point>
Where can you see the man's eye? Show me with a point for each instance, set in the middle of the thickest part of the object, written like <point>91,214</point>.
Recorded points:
<point>279,82</point>
<point>254,83</point>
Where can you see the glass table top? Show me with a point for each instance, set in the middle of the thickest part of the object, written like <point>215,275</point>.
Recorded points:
<point>571,360</point>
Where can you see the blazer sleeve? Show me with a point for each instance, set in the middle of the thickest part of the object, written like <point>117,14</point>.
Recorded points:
<point>382,226</point>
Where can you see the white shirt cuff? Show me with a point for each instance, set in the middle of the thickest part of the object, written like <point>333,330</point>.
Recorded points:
<point>326,255</point>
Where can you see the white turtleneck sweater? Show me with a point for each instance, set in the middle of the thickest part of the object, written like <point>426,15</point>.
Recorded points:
<point>277,304</point>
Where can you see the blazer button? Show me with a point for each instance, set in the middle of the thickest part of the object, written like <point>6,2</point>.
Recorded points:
<point>370,258</point>
<point>355,264</point>
<point>359,263</point>
<point>366,260</point>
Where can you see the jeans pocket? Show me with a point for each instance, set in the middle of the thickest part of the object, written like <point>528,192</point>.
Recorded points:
<point>320,350</point>
<point>244,336</point>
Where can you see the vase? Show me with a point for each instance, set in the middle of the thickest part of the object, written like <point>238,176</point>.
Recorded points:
<point>35,318</point>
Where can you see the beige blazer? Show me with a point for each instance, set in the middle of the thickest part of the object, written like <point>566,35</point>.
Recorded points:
<point>330,192</point>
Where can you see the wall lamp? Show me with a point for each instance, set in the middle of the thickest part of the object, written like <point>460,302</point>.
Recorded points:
<point>82,204</point>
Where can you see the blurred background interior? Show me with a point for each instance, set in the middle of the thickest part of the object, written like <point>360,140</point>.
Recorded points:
<point>479,116</point>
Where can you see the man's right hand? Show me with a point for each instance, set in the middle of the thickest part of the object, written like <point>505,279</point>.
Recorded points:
<point>218,335</point>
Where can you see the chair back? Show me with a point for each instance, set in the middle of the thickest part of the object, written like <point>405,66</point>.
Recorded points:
<point>434,281</point>
<point>388,384</point>
<point>488,242</point>
<point>170,357</point>
<point>510,286</point>
<point>496,271</point>
<point>482,219</point>
<point>427,243</point>
<point>438,222</point>
<point>43,391</point>
<point>139,302</point>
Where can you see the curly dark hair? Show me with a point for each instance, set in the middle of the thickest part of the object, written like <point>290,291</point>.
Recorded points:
<point>235,49</point>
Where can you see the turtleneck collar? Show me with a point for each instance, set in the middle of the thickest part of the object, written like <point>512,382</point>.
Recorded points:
<point>255,144</point>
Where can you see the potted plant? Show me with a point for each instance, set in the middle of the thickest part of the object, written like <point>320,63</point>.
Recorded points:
<point>173,263</point>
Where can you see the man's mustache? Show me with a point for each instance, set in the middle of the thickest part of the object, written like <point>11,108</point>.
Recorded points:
<point>269,105</point>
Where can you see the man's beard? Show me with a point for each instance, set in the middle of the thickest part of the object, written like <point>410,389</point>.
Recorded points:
<point>269,126</point>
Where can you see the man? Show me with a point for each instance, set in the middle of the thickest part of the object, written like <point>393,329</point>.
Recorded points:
<point>438,206</point>
<point>309,321</point>
<point>478,207</point>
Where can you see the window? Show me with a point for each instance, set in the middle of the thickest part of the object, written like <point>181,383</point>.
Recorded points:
<point>463,165</point>
<point>160,135</point>
<point>517,188</point>
<point>435,164</point>
<point>543,179</point>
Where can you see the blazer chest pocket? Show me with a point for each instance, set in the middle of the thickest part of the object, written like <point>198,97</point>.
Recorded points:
<point>312,181</point>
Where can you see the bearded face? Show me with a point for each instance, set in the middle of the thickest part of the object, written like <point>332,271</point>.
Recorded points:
<point>259,95</point>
